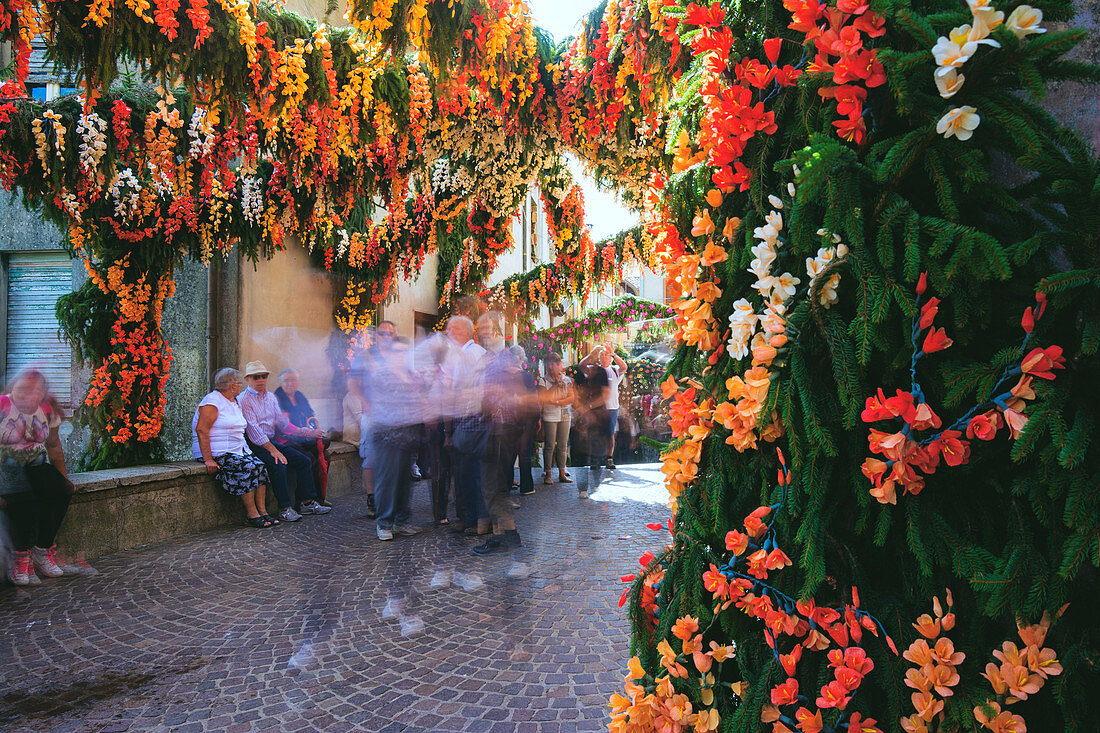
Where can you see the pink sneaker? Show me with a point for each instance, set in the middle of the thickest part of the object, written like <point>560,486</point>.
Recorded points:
<point>78,566</point>
<point>24,569</point>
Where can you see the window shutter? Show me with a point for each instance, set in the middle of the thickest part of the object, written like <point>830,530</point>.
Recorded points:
<point>35,282</point>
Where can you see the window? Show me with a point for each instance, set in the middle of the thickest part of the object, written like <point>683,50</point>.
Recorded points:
<point>523,238</point>
<point>34,283</point>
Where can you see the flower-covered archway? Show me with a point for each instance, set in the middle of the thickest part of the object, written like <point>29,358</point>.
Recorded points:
<point>882,403</point>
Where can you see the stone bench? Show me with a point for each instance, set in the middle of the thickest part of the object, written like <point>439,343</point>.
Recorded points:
<point>124,507</point>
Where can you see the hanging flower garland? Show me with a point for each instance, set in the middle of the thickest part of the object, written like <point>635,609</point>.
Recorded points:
<point>613,318</point>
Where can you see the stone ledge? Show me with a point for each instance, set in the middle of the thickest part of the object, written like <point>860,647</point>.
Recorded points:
<point>121,508</point>
<point>91,481</point>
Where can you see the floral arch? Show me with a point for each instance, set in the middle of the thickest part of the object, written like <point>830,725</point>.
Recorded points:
<point>865,213</point>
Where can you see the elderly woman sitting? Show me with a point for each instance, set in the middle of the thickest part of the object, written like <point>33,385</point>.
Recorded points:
<point>300,413</point>
<point>218,429</point>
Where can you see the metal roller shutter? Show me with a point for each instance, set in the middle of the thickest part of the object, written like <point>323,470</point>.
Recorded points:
<point>35,282</point>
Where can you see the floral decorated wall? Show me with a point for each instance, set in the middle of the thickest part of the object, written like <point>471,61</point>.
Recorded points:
<point>882,255</point>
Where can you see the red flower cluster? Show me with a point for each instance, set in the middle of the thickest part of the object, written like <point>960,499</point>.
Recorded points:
<point>120,124</point>
<point>200,20</point>
<point>904,454</point>
<point>840,35</point>
<point>165,15</point>
<point>733,114</point>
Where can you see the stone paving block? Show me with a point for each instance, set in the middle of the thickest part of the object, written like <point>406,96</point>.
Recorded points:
<point>169,637</point>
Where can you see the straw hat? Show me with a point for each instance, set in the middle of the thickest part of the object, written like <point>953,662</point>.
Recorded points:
<point>253,368</point>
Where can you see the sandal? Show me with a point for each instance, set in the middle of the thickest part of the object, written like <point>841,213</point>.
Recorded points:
<point>546,480</point>
<point>271,519</point>
<point>259,522</point>
<point>565,478</point>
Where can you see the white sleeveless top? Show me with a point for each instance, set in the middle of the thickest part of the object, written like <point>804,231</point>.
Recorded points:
<point>227,432</point>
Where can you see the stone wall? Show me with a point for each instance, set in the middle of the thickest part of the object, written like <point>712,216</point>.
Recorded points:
<point>1078,105</point>
<point>184,323</point>
<point>126,507</point>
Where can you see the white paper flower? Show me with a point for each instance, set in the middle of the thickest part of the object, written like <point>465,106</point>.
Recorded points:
<point>959,122</point>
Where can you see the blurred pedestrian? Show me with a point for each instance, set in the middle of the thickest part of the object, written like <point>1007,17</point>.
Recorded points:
<point>437,421</point>
<point>557,396</point>
<point>530,421</point>
<point>358,376</point>
<point>501,405</point>
<point>468,436</point>
<point>615,368</point>
<point>397,416</point>
<point>593,392</point>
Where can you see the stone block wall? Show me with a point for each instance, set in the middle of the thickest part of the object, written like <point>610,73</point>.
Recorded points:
<point>127,507</point>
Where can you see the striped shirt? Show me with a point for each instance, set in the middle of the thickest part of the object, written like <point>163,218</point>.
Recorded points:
<point>264,417</point>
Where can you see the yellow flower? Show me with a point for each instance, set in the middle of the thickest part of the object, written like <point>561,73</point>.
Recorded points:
<point>959,122</point>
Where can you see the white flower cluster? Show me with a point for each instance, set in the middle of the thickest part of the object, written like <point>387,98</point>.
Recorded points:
<point>446,182</point>
<point>252,199</point>
<point>160,182</point>
<point>814,265</point>
<point>776,290</point>
<point>342,242</point>
<point>202,136</point>
<point>125,191</point>
<point>72,206</point>
<point>92,130</point>
<point>500,164</point>
<point>749,329</point>
<point>956,48</point>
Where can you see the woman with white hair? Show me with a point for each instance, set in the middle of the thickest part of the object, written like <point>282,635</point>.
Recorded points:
<point>301,415</point>
<point>218,429</point>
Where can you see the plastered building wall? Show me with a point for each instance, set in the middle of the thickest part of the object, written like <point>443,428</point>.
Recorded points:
<point>285,320</point>
<point>414,296</point>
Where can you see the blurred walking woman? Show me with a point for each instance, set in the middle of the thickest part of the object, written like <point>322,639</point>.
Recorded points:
<point>34,486</point>
<point>218,428</point>
<point>557,394</point>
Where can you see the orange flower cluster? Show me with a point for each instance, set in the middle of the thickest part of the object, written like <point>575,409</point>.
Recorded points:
<point>128,388</point>
<point>655,704</point>
<point>934,673</point>
<point>691,424</point>
<point>1020,674</point>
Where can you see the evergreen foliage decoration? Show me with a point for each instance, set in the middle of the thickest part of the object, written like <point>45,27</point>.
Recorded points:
<point>797,252</point>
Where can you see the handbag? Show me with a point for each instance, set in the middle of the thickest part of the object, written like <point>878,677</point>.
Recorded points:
<point>471,436</point>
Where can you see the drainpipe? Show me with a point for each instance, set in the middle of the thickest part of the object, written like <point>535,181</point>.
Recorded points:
<point>212,278</point>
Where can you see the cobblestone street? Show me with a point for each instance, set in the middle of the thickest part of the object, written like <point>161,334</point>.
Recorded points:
<point>318,626</point>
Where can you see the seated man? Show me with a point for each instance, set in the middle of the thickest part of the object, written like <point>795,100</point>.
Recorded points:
<point>266,422</point>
